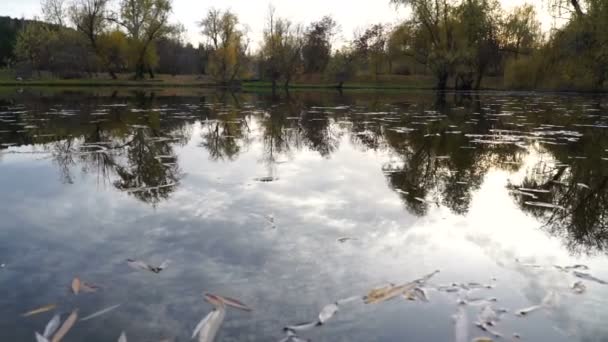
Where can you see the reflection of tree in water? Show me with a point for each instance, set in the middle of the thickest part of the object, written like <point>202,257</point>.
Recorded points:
<point>151,165</point>
<point>318,132</point>
<point>579,190</point>
<point>429,165</point>
<point>437,164</point>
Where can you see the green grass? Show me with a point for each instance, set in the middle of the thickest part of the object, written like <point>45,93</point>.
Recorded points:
<point>360,83</point>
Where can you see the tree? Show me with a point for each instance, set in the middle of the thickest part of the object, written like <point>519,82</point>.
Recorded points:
<point>281,52</point>
<point>316,50</point>
<point>114,50</point>
<point>228,44</point>
<point>340,68</point>
<point>90,19</point>
<point>145,21</point>
<point>399,45</point>
<point>33,45</point>
<point>54,12</point>
<point>477,40</point>
<point>521,31</point>
<point>371,46</point>
<point>435,21</point>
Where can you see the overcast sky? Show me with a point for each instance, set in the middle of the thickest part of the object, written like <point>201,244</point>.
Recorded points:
<point>350,14</point>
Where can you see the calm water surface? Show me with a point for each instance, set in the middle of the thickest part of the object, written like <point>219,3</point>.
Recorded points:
<point>248,196</point>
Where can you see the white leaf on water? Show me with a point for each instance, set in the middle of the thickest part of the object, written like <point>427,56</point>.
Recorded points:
<point>123,337</point>
<point>301,326</point>
<point>461,325</point>
<point>52,326</point>
<point>527,311</point>
<point>40,338</point>
<point>544,205</point>
<point>164,264</point>
<point>201,323</point>
<point>209,330</point>
<point>349,299</point>
<point>328,312</point>
<point>99,313</point>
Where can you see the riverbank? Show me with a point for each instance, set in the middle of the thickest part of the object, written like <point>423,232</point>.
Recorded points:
<point>380,82</point>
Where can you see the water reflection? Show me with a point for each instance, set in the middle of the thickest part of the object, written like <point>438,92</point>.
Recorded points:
<point>442,161</point>
<point>440,149</point>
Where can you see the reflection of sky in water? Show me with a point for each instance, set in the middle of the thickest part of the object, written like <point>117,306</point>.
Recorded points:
<point>214,230</point>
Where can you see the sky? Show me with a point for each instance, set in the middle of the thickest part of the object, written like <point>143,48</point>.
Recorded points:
<point>350,14</point>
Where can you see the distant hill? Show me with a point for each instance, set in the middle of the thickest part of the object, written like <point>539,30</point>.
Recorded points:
<point>9,28</point>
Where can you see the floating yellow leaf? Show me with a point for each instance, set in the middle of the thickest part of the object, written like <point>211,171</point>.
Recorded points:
<point>66,326</point>
<point>39,310</point>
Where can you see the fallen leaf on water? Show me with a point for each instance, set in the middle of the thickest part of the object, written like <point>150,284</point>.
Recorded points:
<point>348,300</point>
<point>461,330</point>
<point>230,302</point>
<point>209,329</point>
<point>345,238</point>
<point>76,285</point>
<point>388,292</point>
<point>122,337</point>
<point>327,312</point>
<point>588,276</point>
<point>140,265</point>
<point>40,338</point>
<point>67,325</point>
<point>483,339</point>
<point>52,326</point>
<point>99,313</point>
<point>39,310</point>
<point>301,326</point>
<point>292,337</point>
<point>87,287</point>
<point>526,311</point>
<point>201,323</point>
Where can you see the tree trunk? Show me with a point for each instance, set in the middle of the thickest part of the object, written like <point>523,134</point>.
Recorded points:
<point>577,7</point>
<point>150,72</point>
<point>478,79</point>
<point>139,71</point>
<point>112,74</point>
<point>442,80</point>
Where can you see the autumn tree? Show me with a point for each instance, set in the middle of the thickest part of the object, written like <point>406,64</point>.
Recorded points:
<point>435,20</point>
<point>476,36</point>
<point>521,31</point>
<point>145,21</point>
<point>227,42</point>
<point>281,52</point>
<point>90,18</point>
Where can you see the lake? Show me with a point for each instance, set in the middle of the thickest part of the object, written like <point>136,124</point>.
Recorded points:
<point>292,202</point>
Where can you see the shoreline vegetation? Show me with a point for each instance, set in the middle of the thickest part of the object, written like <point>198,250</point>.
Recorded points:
<point>262,86</point>
<point>442,45</point>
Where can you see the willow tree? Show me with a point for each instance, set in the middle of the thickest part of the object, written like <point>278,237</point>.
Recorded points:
<point>434,19</point>
<point>145,21</point>
<point>521,31</point>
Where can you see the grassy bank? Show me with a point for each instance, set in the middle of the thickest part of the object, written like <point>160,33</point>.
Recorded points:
<point>380,82</point>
